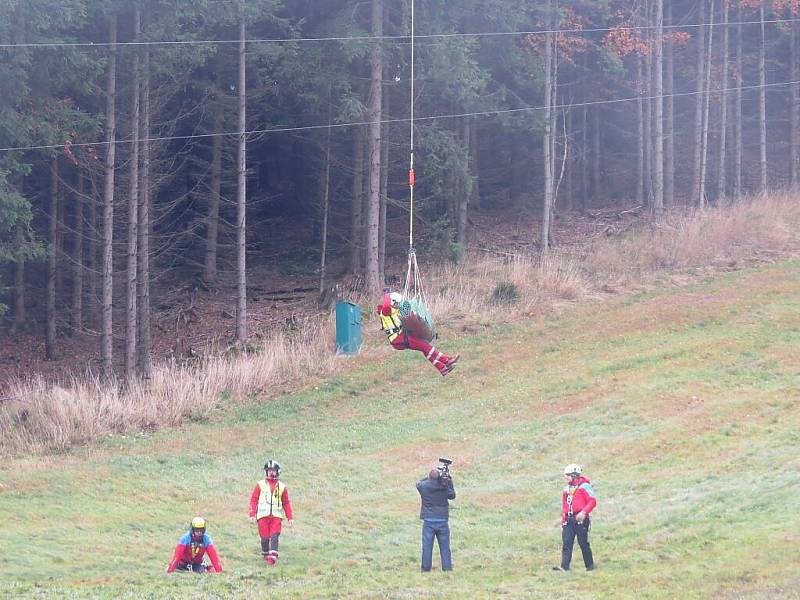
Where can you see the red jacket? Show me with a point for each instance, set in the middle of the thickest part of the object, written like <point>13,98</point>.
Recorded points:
<point>287,504</point>
<point>583,499</point>
<point>188,551</point>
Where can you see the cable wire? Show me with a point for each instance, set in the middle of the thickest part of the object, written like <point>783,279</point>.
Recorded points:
<point>484,113</point>
<point>398,38</point>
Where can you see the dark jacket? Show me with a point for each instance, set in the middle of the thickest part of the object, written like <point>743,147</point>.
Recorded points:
<point>435,494</point>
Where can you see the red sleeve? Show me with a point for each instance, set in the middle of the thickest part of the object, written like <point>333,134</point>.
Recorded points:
<point>254,501</point>
<point>212,554</point>
<point>590,504</point>
<point>287,504</point>
<point>564,507</point>
<point>176,557</point>
<point>386,307</point>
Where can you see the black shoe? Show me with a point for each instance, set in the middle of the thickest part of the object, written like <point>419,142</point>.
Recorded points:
<point>559,568</point>
<point>590,568</point>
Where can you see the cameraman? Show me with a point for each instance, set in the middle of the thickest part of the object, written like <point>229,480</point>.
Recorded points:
<point>435,492</point>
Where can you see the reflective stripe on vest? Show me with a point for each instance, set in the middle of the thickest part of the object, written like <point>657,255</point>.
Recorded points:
<point>270,502</point>
<point>391,325</point>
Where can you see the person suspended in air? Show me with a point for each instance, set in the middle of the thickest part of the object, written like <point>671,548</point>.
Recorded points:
<point>402,337</point>
<point>192,547</point>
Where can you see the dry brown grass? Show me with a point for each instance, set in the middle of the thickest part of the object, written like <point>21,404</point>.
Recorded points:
<point>47,417</point>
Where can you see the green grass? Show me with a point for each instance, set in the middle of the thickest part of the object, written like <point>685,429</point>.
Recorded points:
<point>681,404</point>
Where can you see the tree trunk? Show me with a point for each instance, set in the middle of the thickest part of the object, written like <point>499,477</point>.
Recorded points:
<point>669,120</point>
<point>723,115</point>
<point>326,188</point>
<point>373,277</point>
<point>91,256</point>
<point>384,191</point>
<point>462,201</point>
<point>597,180</point>
<point>583,162</point>
<point>706,108</point>
<point>794,108</point>
<point>737,172</point>
<point>19,286</point>
<point>356,228</point>
<point>131,314</point>
<point>145,332</point>
<point>569,128</point>
<point>212,217</point>
<point>648,131</point>
<point>241,196</point>
<point>547,146</point>
<point>474,164</point>
<point>641,141</point>
<point>658,74</point>
<point>762,99</point>
<point>698,107</point>
<point>77,264</point>
<point>50,330</point>
<point>107,342</point>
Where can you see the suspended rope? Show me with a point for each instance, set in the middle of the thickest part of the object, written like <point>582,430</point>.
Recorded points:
<point>416,316</point>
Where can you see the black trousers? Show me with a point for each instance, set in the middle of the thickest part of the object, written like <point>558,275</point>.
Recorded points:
<point>569,532</point>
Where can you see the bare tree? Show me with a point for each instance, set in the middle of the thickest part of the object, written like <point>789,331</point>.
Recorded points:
<point>77,256</point>
<point>326,188</point>
<point>131,313</point>
<point>794,107</point>
<point>669,118</point>
<point>762,98</point>
<point>723,106</point>
<point>108,203</point>
<point>640,139</point>
<point>699,102</point>
<point>241,191</point>
<point>658,158</point>
<point>706,107</point>
<point>50,335</point>
<point>145,334</point>
<point>373,277</point>
<point>547,144</point>
<point>737,172</point>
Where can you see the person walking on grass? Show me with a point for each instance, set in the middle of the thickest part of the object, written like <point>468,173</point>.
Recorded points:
<point>400,339</point>
<point>269,505</point>
<point>577,503</point>
<point>191,548</point>
<point>436,491</point>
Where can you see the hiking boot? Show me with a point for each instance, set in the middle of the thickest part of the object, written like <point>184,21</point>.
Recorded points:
<point>590,568</point>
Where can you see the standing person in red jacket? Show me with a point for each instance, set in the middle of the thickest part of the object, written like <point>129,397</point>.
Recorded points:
<point>391,323</point>
<point>191,548</point>
<point>269,504</point>
<point>577,502</point>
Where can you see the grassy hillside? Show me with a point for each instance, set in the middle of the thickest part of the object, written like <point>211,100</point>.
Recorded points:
<point>681,404</point>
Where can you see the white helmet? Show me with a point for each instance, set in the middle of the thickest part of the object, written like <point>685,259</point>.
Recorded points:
<point>396,298</point>
<point>573,469</point>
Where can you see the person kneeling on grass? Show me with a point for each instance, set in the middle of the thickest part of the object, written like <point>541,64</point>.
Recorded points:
<point>577,501</point>
<point>191,548</point>
<point>269,504</point>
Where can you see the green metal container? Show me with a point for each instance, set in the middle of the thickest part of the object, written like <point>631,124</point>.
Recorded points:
<point>348,327</point>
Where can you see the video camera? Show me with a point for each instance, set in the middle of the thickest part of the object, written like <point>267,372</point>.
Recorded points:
<point>444,467</point>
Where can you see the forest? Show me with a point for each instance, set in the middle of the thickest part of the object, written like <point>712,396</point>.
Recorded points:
<point>145,143</point>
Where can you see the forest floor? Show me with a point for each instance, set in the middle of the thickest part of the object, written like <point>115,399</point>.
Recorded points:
<point>189,318</point>
<point>680,402</point>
